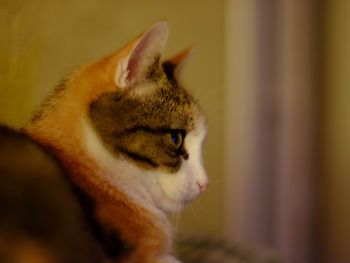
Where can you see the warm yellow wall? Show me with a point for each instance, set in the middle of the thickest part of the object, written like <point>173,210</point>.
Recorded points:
<point>336,136</point>
<point>41,41</point>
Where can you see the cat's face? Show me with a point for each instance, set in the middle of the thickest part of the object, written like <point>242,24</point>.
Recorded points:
<point>153,125</point>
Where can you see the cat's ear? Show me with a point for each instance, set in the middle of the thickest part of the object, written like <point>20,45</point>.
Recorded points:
<point>174,66</point>
<point>144,52</point>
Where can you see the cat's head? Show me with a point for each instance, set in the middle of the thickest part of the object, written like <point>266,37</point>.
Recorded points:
<point>151,123</point>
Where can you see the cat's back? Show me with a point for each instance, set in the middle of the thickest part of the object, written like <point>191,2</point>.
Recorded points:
<point>40,219</point>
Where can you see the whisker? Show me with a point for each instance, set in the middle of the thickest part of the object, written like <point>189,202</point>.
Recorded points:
<point>177,222</point>
<point>194,213</point>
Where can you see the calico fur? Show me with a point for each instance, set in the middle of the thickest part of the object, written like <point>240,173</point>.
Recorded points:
<point>111,125</point>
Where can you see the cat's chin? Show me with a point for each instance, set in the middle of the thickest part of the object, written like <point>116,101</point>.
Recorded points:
<point>170,206</point>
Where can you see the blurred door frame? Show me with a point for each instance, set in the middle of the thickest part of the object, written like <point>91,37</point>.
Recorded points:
<point>271,107</point>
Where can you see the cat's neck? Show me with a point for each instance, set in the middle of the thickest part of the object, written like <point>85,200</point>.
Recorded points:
<point>112,184</point>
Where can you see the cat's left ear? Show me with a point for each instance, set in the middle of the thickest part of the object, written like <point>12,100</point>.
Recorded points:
<point>141,56</point>
<point>174,66</point>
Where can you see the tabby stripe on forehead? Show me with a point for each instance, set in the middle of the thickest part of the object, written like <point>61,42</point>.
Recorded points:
<point>138,157</point>
<point>147,129</point>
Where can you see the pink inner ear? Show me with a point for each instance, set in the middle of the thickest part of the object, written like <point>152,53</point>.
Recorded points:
<point>134,63</point>
<point>147,49</point>
<point>139,54</point>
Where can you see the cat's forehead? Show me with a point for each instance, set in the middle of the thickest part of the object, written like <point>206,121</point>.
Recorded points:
<point>167,104</point>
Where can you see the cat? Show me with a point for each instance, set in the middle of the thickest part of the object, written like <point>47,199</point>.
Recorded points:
<point>130,137</point>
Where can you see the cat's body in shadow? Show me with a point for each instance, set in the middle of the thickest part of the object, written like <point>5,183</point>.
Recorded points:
<point>42,214</point>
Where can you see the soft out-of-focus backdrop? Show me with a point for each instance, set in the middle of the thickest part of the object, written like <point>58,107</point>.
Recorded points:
<point>273,79</point>
<point>42,41</point>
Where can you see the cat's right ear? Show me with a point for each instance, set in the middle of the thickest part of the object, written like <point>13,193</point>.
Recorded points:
<point>142,54</point>
<point>174,66</point>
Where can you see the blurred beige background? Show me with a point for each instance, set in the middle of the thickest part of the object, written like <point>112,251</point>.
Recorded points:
<point>273,79</point>
<point>42,41</point>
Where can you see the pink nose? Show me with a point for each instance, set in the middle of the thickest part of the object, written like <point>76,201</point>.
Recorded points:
<point>202,186</point>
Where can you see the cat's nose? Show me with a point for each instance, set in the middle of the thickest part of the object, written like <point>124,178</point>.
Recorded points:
<point>202,186</point>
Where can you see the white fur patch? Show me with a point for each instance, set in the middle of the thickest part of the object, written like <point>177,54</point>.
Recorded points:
<point>157,191</point>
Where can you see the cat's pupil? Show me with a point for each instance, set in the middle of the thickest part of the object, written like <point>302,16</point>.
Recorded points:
<point>176,137</point>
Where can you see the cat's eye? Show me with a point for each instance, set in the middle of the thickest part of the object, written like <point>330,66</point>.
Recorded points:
<point>176,137</point>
